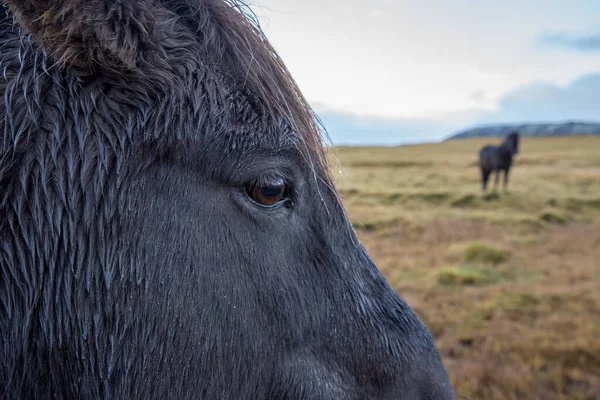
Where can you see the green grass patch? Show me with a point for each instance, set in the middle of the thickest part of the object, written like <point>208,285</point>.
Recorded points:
<point>468,200</point>
<point>486,253</point>
<point>435,198</point>
<point>491,196</point>
<point>467,275</point>
<point>573,204</point>
<point>553,217</point>
<point>391,164</point>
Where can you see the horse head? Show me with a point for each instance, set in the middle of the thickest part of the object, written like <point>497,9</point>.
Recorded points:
<point>169,227</point>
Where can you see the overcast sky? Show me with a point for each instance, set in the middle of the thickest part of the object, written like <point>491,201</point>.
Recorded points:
<point>393,71</point>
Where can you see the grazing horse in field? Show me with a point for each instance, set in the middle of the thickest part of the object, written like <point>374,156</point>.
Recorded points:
<point>168,225</point>
<point>498,158</point>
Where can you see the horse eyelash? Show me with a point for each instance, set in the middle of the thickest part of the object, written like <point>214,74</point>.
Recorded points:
<point>268,178</point>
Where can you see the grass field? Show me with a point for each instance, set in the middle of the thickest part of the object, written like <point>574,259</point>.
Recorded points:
<point>508,283</point>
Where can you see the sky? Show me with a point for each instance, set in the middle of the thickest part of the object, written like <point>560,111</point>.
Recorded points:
<point>387,72</point>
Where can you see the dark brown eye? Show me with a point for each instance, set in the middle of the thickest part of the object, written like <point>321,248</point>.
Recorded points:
<point>268,194</point>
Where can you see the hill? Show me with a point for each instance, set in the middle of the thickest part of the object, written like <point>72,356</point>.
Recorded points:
<point>528,130</point>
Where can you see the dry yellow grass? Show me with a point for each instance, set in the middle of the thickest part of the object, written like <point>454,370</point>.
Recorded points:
<point>509,283</point>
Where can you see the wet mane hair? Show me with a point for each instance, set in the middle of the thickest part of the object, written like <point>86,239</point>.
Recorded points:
<point>238,46</point>
<point>229,34</point>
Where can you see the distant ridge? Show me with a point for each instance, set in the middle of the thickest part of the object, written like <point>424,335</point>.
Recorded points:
<point>550,129</point>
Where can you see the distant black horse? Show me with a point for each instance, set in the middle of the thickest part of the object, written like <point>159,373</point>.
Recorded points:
<point>168,225</point>
<point>498,158</point>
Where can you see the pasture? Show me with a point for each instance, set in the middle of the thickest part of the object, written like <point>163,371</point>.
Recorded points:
<point>508,283</point>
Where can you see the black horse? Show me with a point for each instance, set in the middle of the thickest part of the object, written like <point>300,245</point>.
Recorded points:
<point>168,225</point>
<point>498,158</point>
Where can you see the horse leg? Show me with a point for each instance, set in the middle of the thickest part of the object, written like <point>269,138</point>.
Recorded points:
<point>485,175</point>
<point>506,179</point>
<point>497,181</point>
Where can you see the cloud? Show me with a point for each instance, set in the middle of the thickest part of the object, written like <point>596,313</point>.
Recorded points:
<point>544,101</point>
<point>536,102</point>
<point>375,14</point>
<point>478,96</point>
<point>583,43</point>
<point>353,130</point>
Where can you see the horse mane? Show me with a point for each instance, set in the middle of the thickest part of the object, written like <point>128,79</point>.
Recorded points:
<point>234,40</point>
<point>230,38</point>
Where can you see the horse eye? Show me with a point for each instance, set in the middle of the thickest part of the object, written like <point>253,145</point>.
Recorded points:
<point>268,194</point>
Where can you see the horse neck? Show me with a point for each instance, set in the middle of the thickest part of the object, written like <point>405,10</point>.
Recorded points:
<point>508,144</point>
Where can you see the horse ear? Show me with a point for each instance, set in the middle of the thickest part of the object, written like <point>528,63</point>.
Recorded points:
<point>88,34</point>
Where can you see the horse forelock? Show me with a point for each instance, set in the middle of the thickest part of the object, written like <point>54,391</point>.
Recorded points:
<point>241,48</point>
<point>162,54</point>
